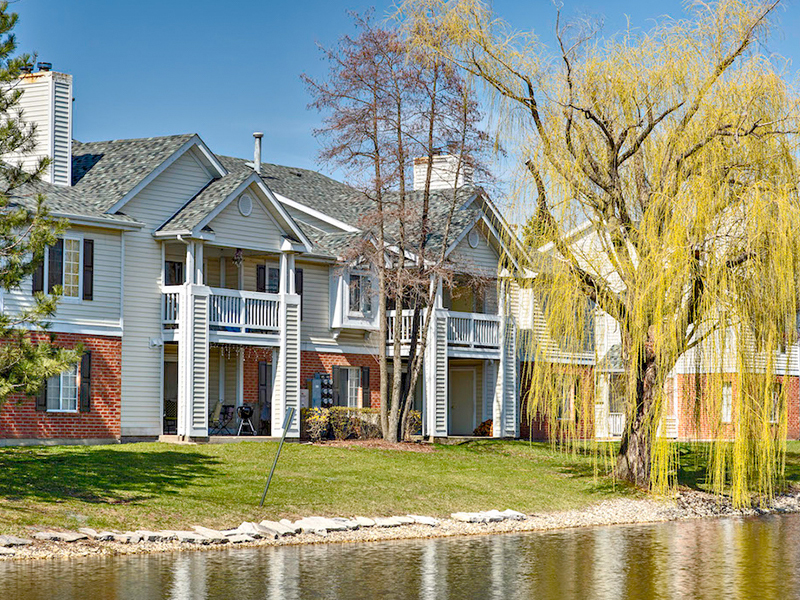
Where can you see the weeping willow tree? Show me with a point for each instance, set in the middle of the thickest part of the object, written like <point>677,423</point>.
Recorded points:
<point>660,169</point>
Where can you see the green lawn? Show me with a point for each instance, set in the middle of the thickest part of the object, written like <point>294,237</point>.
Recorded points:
<point>159,485</point>
<point>154,485</point>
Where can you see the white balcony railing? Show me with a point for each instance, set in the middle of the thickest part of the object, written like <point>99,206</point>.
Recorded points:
<point>228,310</point>
<point>465,330</point>
<point>616,424</point>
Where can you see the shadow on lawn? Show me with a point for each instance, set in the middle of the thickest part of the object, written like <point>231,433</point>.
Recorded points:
<point>97,475</point>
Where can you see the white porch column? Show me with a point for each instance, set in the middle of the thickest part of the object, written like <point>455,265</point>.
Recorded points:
<point>282,287</point>
<point>199,277</point>
<point>240,377</point>
<point>190,262</point>
<point>498,424</point>
<point>290,271</point>
<point>222,271</point>
<point>193,347</point>
<point>221,376</point>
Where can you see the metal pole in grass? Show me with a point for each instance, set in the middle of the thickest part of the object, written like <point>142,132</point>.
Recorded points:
<point>286,423</point>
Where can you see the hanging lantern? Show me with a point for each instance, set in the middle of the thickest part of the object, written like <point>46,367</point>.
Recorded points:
<point>238,257</point>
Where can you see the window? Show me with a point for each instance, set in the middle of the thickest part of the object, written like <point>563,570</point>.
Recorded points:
<point>62,391</point>
<point>173,273</point>
<point>727,402</point>
<point>353,385</point>
<point>70,264</point>
<point>775,409</point>
<point>360,294</point>
<point>274,281</point>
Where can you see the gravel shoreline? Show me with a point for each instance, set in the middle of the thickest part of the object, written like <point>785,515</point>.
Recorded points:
<point>683,505</point>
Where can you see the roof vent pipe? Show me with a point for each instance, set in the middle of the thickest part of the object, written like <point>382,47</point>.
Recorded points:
<point>257,155</point>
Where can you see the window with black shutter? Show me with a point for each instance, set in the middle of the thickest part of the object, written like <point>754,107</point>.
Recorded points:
<point>38,278</point>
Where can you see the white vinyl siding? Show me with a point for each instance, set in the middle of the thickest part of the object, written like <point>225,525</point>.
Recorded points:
<point>62,391</point>
<point>142,310</point>
<point>483,260</point>
<point>255,232</point>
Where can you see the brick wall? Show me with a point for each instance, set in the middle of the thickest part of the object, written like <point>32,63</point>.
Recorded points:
<point>537,426</point>
<point>250,367</point>
<point>700,426</point>
<point>19,418</point>
<point>316,362</point>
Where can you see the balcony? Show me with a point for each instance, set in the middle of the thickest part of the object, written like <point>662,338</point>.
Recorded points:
<point>232,314</point>
<point>466,332</point>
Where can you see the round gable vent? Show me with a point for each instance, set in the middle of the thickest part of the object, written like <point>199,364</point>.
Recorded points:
<point>245,205</point>
<point>473,239</point>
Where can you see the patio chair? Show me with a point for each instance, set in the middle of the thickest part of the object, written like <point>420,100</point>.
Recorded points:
<point>220,418</point>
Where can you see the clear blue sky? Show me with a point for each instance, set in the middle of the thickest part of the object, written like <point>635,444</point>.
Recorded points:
<point>225,69</point>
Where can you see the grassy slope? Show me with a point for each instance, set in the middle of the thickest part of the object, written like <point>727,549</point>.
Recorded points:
<point>158,486</point>
<point>168,486</point>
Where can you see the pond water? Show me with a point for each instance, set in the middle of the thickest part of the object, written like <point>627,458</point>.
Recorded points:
<point>723,558</point>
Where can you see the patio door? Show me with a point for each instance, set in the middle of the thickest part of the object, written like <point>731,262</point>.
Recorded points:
<point>462,401</point>
<point>170,424</point>
<point>264,398</point>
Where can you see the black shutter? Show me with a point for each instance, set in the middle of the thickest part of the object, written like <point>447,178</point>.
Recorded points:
<point>366,397</point>
<point>86,382</point>
<point>335,385</point>
<point>264,373</point>
<point>55,266</point>
<point>38,279</point>
<point>261,278</point>
<point>41,398</point>
<point>298,288</point>
<point>88,269</point>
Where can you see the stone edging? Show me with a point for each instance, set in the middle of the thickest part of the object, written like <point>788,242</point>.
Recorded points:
<point>314,530</point>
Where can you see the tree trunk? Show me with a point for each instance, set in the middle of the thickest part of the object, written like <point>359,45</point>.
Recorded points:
<point>635,452</point>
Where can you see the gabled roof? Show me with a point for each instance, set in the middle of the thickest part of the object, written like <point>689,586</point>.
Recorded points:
<point>208,199</point>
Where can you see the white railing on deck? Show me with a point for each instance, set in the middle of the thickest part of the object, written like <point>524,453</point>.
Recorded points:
<point>616,424</point>
<point>229,310</point>
<point>473,330</point>
<point>468,330</point>
<point>171,304</point>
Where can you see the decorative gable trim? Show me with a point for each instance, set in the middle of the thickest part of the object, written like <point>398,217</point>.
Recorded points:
<point>207,159</point>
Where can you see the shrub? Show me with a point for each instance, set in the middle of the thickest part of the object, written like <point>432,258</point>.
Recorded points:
<point>317,421</point>
<point>414,424</point>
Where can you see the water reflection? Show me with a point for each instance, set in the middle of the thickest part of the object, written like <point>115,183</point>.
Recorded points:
<point>732,558</point>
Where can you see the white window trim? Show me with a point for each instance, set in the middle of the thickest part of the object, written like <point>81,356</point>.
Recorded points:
<point>358,389</point>
<point>78,237</point>
<point>60,392</point>
<point>729,415</point>
<point>360,314</point>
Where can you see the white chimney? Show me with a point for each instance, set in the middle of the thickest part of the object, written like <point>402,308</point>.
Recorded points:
<point>257,154</point>
<point>443,173</point>
<point>46,101</point>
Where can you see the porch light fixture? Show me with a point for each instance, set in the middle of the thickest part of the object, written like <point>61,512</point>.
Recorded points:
<point>238,258</point>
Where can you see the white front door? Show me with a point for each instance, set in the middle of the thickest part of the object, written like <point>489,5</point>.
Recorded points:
<point>462,401</point>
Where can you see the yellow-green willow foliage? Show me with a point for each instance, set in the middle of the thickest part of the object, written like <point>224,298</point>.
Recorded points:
<point>660,170</point>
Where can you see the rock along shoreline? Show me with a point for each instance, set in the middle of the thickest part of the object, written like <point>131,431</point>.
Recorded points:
<point>52,544</point>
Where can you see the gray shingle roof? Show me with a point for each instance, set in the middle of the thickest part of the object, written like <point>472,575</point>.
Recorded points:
<point>103,172</point>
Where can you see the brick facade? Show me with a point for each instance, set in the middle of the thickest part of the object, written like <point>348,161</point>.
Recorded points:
<point>317,362</point>
<point>19,418</point>
<point>692,426</point>
<point>252,357</point>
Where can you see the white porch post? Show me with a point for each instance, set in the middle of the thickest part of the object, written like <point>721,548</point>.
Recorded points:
<point>240,377</point>
<point>286,391</point>
<point>498,426</point>
<point>190,262</point>
<point>282,287</point>
<point>222,271</point>
<point>221,376</point>
<point>193,348</point>
<point>199,277</point>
